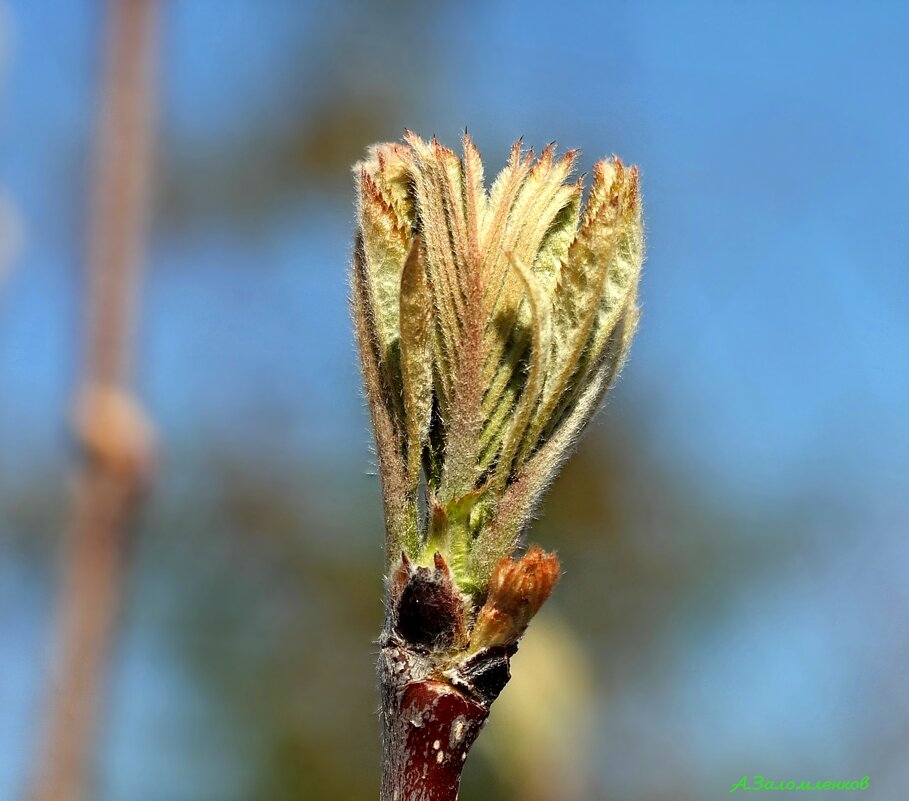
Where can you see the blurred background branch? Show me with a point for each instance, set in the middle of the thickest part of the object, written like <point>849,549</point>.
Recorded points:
<point>110,429</point>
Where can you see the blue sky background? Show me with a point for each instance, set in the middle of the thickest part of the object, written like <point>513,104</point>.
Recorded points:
<point>771,369</point>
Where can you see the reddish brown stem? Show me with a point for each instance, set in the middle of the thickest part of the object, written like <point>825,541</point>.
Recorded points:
<point>428,733</point>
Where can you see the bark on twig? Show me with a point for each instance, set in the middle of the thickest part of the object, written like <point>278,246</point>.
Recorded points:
<point>110,428</point>
<point>429,729</point>
<point>436,691</point>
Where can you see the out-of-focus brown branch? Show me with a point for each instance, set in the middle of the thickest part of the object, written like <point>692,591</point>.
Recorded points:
<point>115,440</point>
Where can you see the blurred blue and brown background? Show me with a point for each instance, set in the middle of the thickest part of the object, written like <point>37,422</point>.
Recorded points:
<point>734,528</point>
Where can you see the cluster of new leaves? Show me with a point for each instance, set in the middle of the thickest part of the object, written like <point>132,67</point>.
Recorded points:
<point>490,324</point>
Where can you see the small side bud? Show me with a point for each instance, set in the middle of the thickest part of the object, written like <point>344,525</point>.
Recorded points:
<point>113,429</point>
<point>516,592</point>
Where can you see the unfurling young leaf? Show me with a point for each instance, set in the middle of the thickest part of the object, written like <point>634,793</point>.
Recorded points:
<point>490,325</point>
